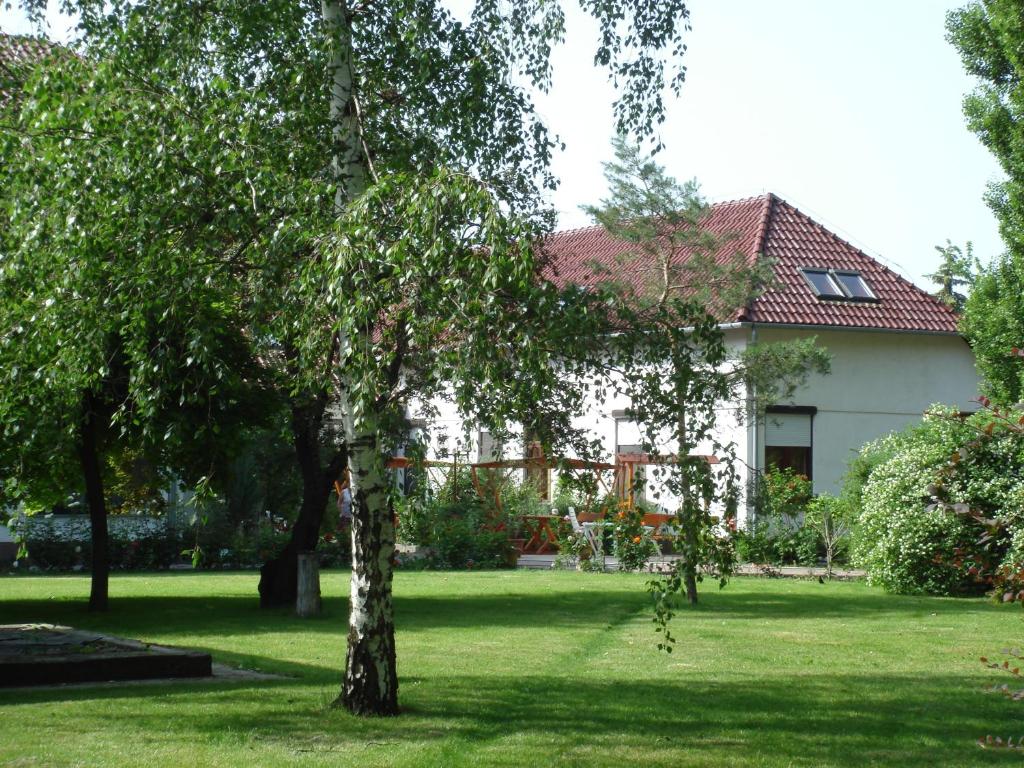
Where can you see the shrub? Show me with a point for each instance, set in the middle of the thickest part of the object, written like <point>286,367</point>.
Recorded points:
<point>777,543</point>
<point>862,464</point>
<point>755,544</point>
<point>63,543</point>
<point>242,545</point>
<point>632,544</point>
<point>908,539</point>
<point>459,534</point>
<point>775,535</point>
<point>415,520</point>
<point>524,499</point>
<point>468,532</point>
<point>149,552</point>
<point>831,519</point>
<point>783,494</point>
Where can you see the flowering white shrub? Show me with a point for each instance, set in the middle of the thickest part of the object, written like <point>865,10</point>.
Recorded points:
<point>909,543</point>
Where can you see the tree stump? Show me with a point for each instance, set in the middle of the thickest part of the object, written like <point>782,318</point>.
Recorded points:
<point>307,602</point>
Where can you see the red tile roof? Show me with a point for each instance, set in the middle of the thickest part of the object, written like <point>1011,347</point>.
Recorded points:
<point>17,55</point>
<point>768,227</point>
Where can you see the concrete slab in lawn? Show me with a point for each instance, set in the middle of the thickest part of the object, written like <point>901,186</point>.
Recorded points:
<point>34,655</point>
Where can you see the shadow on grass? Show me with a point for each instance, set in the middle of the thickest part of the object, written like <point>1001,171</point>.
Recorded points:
<point>840,720</point>
<point>829,719</point>
<point>578,713</point>
<point>225,616</point>
<point>824,601</point>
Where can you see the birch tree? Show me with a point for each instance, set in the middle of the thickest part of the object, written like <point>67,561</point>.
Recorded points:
<point>370,175</point>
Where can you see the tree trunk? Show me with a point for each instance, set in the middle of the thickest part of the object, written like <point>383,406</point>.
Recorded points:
<point>308,602</point>
<point>690,568</point>
<point>89,459</point>
<point>370,686</point>
<point>347,161</point>
<point>689,522</point>
<point>830,548</point>
<point>279,576</point>
<point>371,679</point>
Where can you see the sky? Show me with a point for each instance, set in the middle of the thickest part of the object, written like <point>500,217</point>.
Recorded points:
<point>849,111</point>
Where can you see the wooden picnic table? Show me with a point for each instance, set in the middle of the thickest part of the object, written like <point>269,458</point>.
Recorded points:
<point>653,519</point>
<point>541,537</point>
<point>658,519</point>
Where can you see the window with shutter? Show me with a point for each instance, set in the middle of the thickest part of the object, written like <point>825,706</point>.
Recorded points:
<point>788,440</point>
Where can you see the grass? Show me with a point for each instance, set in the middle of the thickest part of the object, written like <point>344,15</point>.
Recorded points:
<point>533,669</point>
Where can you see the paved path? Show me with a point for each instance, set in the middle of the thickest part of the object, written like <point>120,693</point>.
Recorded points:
<point>655,564</point>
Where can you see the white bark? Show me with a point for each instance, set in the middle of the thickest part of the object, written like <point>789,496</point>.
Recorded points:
<point>371,684</point>
<point>347,167</point>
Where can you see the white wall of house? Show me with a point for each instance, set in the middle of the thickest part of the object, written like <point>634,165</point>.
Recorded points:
<point>605,420</point>
<point>880,382</point>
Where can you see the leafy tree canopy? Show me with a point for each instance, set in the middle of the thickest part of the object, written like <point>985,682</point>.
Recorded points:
<point>113,344</point>
<point>989,36</point>
<point>359,180</point>
<point>993,321</point>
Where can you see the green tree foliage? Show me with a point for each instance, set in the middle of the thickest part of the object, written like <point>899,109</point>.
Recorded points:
<point>988,36</point>
<point>773,533</point>
<point>957,267</point>
<point>363,181</point>
<point>993,322</point>
<point>110,347</point>
<point>667,349</point>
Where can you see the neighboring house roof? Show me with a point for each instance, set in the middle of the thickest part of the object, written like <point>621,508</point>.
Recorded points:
<point>18,54</point>
<point>769,227</point>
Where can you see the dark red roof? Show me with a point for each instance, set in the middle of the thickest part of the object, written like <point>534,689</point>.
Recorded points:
<point>768,227</point>
<point>18,54</point>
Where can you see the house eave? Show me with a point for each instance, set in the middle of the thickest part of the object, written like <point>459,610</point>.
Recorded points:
<point>848,328</point>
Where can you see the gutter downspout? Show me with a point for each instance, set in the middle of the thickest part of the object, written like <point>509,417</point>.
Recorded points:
<point>753,454</point>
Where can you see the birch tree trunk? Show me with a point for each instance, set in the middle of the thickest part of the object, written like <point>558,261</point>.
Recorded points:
<point>347,167</point>
<point>371,678</point>
<point>370,686</point>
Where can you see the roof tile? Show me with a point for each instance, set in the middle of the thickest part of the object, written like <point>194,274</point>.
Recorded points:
<point>768,227</point>
<point>17,54</point>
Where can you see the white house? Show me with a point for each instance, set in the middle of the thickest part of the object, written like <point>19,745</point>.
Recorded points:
<point>895,349</point>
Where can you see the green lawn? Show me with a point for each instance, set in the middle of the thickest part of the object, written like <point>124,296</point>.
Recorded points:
<point>533,669</point>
